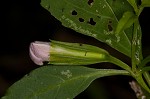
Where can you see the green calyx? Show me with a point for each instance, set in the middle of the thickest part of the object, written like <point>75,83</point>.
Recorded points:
<point>63,53</point>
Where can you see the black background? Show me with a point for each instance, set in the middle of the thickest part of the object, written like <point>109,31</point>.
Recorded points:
<point>22,22</point>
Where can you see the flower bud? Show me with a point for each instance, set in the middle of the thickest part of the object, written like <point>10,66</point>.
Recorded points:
<point>63,53</point>
<point>39,52</point>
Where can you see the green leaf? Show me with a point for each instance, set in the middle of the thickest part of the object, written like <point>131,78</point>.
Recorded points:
<point>145,3</point>
<point>125,22</point>
<point>57,82</point>
<point>144,61</point>
<point>145,69</point>
<point>98,19</point>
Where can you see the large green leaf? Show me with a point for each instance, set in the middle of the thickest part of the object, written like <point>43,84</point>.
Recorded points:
<point>57,82</point>
<point>95,18</point>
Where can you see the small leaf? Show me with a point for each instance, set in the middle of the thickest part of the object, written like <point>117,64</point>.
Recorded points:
<point>145,3</point>
<point>97,18</point>
<point>145,69</point>
<point>57,82</point>
<point>125,22</point>
<point>144,62</point>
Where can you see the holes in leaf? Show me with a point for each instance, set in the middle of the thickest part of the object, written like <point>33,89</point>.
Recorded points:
<point>62,9</point>
<point>98,16</point>
<point>110,28</point>
<point>81,19</point>
<point>90,2</point>
<point>91,21</point>
<point>110,21</point>
<point>74,12</point>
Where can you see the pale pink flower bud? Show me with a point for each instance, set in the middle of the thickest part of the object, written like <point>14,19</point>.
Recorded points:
<point>39,52</point>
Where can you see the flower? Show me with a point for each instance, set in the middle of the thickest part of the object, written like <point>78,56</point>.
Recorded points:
<point>39,52</point>
<point>63,53</point>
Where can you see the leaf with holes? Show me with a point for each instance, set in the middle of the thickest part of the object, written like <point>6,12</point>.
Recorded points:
<point>95,18</point>
<point>57,82</point>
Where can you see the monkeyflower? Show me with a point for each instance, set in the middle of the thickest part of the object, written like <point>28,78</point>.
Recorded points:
<point>63,53</point>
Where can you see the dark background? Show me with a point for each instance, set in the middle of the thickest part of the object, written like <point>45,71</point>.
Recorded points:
<point>25,21</point>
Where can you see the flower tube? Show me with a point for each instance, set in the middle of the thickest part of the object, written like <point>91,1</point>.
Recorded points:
<point>63,53</point>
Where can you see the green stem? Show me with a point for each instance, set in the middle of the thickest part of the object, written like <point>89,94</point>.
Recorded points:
<point>147,77</point>
<point>133,47</point>
<point>141,81</point>
<point>121,64</point>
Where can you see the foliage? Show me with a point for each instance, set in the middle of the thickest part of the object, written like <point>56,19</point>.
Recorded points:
<point>114,22</point>
<point>53,82</point>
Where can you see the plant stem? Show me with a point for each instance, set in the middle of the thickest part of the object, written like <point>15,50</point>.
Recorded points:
<point>141,81</point>
<point>133,47</point>
<point>121,64</point>
<point>147,77</point>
